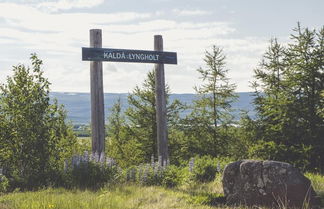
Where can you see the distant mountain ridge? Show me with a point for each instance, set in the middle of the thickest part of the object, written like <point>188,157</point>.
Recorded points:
<point>78,104</point>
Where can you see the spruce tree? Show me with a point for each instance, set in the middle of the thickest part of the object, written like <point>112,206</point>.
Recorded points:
<point>271,92</point>
<point>209,122</point>
<point>141,119</point>
<point>121,146</point>
<point>290,81</point>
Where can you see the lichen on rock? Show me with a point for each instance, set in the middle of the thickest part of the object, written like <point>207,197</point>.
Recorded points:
<point>266,183</point>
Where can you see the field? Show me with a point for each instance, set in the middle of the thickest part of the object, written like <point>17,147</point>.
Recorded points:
<point>200,196</point>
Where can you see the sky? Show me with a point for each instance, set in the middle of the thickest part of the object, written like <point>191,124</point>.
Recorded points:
<point>57,29</point>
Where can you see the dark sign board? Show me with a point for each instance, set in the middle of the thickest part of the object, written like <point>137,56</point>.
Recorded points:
<point>127,55</point>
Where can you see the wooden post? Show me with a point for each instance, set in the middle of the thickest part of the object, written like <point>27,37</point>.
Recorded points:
<point>161,113</point>
<point>97,97</point>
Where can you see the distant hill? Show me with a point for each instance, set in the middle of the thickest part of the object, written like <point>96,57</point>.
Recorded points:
<point>78,104</point>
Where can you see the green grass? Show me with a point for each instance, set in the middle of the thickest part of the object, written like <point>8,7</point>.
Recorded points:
<point>317,182</point>
<point>318,185</point>
<point>200,196</point>
<point>124,197</point>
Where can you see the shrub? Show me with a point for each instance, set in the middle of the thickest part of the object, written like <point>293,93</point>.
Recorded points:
<point>150,175</point>
<point>280,152</point>
<point>130,174</point>
<point>205,168</point>
<point>154,174</point>
<point>90,175</point>
<point>172,176</point>
<point>4,183</point>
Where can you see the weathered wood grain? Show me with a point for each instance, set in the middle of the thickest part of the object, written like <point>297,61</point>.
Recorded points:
<point>161,112</point>
<point>97,97</point>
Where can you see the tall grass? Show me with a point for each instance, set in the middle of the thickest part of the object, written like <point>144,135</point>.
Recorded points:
<point>317,182</point>
<point>123,197</point>
<point>318,185</point>
<point>126,196</point>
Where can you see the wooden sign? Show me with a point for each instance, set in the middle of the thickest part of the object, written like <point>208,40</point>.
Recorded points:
<point>127,55</point>
<point>96,55</point>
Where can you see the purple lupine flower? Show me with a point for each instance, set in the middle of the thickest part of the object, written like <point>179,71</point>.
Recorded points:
<point>145,174</point>
<point>218,167</point>
<point>77,160</point>
<point>152,161</point>
<point>156,169</point>
<point>86,157</point>
<point>191,164</point>
<point>164,166</point>
<point>74,161</point>
<point>97,157</point>
<point>102,159</point>
<point>140,173</point>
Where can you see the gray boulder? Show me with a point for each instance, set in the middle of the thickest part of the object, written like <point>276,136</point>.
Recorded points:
<point>267,183</point>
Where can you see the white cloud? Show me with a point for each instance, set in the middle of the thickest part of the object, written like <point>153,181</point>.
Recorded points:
<point>58,38</point>
<point>33,19</point>
<point>54,6</point>
<point>191,12</point>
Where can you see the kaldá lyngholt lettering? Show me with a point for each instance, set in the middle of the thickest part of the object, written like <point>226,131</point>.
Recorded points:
<point>127,55</point>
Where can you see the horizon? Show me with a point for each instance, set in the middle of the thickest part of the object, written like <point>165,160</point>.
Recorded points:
<point>78,106</point>
<point>72,92</point>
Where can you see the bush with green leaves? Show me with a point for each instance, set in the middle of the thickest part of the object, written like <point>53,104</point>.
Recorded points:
<point>4,183</point>
<point>154,174</point>
<point>34,137</point>
<point>297,154</point>
<point>90,175</point>
<point>205,168</point>
<point>172,176</point>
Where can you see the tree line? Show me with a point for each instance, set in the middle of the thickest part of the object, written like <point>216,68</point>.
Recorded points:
<point>289,125</point>
<point>288,88</point>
